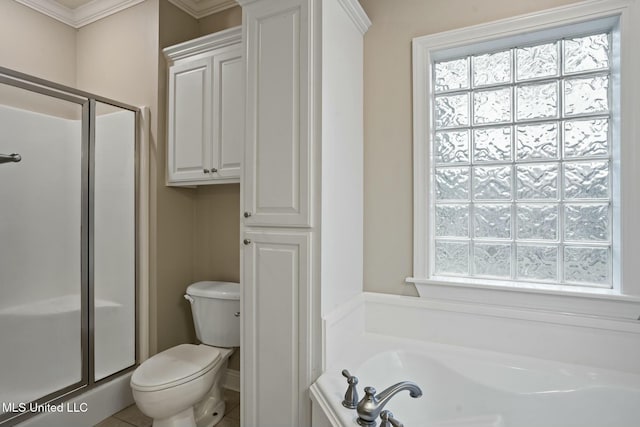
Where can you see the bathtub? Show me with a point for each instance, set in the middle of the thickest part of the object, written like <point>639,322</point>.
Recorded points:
<point>465,387</point>
<point>41,349</point>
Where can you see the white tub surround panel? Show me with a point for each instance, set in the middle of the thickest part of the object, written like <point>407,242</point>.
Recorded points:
<point>302,194</point>
<point>610,343</point>
<point>341,327</point>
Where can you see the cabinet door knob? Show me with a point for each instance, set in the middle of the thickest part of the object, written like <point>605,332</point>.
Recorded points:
<point>206,170</point>
<point>247,214</point>
<point>214,170</point>
<point>246,241</point>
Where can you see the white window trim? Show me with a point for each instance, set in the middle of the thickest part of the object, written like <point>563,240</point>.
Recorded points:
<point>622,301</point>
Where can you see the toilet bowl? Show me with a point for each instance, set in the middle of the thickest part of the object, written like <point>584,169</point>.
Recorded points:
<point>182,386</point>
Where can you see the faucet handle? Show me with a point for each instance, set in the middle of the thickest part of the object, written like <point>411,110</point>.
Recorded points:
<point>351,379</point>
<point>388,420</point>
<point>351,396</point>
<point>370,392</point>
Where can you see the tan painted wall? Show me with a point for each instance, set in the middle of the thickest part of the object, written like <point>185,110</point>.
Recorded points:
<point>217,233</point>
<point>33,43</point>
<point>220,21</point>
<point>116,56</point>
<point>175,206</point>
<point>388,173</point>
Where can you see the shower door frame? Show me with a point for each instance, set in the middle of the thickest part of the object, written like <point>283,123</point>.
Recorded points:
<point>87,101</point>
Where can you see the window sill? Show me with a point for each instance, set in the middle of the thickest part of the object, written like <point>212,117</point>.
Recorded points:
<point>592,302</point>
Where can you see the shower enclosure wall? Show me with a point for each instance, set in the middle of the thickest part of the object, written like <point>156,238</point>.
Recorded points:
<point>68,247</point>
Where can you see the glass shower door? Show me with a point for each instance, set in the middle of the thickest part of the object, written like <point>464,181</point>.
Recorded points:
<point>43,250</point>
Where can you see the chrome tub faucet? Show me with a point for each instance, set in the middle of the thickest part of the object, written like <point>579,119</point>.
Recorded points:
<point>371,405</point>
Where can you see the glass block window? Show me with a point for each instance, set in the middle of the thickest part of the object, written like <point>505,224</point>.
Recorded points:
<point>521,163</point>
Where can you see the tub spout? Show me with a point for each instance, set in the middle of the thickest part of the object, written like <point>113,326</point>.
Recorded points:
<point>370,406</point>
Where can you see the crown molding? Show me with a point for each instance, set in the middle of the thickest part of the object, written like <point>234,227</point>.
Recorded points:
<point>82,15</point>
<point>201,8</point>
<point>203,44</point>
<point>357,14</point>
<point>50,8</point>
<point>352,8</point>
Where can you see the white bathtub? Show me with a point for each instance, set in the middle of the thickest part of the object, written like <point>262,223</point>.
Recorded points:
<point>472,388</point>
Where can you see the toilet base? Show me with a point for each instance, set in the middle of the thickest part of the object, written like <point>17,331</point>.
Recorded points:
<point>182,419</point>
<point>209,412</point>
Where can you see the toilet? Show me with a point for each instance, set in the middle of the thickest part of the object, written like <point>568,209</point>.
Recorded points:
<point>182,386</point>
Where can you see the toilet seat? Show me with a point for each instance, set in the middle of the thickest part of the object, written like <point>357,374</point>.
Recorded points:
<point>175,366</point>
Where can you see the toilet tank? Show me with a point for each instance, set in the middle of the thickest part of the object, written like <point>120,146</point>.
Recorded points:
<point>215,307</point>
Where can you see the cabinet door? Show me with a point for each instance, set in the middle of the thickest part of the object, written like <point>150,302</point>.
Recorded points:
<point>228,112</point>
<point>278,140</point>
<point>275,302</point>
<point>189,130</point>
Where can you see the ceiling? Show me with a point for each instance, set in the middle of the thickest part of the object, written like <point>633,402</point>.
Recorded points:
<point>78,13</point>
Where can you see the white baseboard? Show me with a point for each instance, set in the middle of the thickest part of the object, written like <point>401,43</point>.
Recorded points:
<point>232,380</point>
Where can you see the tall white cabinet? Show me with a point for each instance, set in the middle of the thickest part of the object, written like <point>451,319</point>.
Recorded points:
<point>301,194</point>
<point>206,110</point>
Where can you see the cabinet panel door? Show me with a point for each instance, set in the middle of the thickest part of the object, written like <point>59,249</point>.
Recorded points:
<point>278,142</point>
<point>228,112</point>
<point>189,127</point>
<point>275,303</point>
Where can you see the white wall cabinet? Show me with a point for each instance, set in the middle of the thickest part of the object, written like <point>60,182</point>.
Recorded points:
<point>206,110</point>
<point>302,195</point>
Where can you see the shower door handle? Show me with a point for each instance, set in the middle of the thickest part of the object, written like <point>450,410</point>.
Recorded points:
<point>10,158</point>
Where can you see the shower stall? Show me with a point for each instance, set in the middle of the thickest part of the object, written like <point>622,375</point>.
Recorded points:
<point>68,247</point>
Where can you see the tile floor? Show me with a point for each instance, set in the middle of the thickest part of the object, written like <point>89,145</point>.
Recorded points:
<point>132,416</point>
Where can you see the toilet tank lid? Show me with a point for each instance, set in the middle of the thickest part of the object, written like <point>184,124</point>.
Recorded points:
<point>218,290</point>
